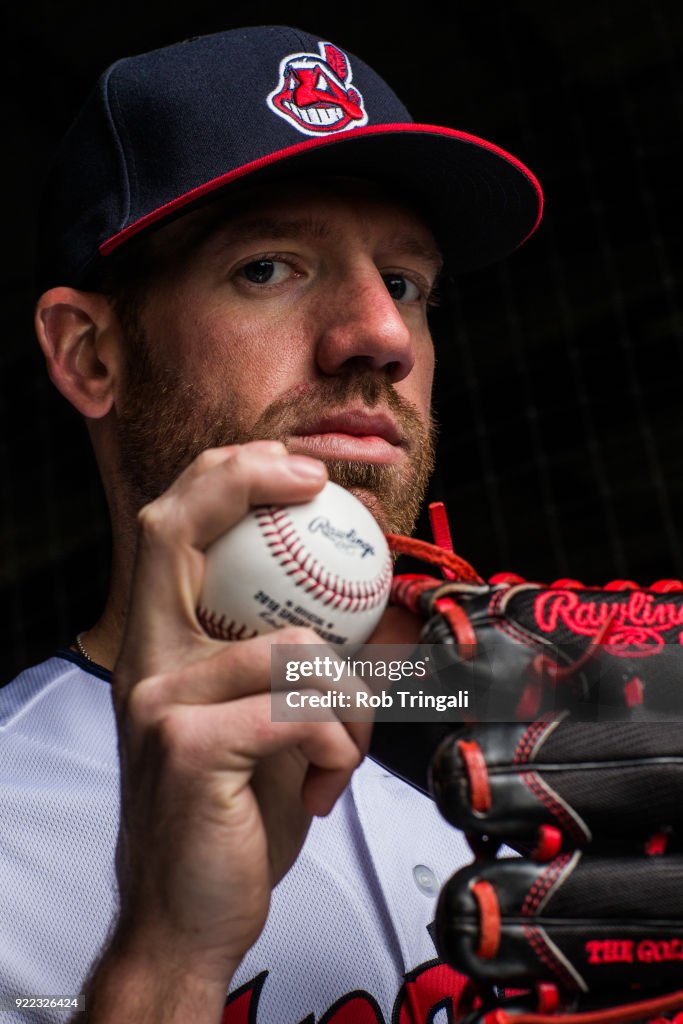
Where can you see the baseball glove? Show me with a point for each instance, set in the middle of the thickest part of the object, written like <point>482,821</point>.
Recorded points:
<point>571,753</point>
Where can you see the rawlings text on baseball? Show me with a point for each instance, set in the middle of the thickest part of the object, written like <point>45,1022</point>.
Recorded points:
<point>323,564</point>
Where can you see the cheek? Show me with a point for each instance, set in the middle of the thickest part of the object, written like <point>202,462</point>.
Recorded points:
<point>252,358</point>
<point>417,386</point>
<point>427,369</point>
<point>178,329</point>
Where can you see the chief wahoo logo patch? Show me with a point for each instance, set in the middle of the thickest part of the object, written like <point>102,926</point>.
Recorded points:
<point>315,94</point>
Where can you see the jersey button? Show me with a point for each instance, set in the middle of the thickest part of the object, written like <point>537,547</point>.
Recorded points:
<point>425,880</point>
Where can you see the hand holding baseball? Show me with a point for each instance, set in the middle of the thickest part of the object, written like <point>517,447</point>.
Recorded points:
<point>323,564</point>
<point>198,853</point>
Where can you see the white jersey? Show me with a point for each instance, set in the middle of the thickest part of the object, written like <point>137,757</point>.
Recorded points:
<point>347,939</point>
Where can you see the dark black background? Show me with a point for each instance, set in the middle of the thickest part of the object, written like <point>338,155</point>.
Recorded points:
<point>559,394</point>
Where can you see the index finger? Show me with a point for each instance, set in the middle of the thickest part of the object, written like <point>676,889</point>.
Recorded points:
<point>174,530</point>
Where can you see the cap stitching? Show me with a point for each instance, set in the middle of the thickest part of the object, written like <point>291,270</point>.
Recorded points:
<point>111,99</point>
<point>289,35</point>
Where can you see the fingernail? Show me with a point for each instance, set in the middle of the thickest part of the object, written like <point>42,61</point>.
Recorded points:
<point>305,468</point>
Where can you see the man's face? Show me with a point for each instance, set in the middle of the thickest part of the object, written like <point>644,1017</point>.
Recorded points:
<point>301,315</point>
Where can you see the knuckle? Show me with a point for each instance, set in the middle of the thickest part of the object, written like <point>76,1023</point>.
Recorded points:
<point>246,661</point>
<point>351,758</point>
<point>151,516</point>
<point>165,731</point>
<point>144,700</point>
<point>255,460</point>
<point>170,733</point>
<point>236,475</point>
<point>347,750</point>
<point>159,520</point>
<point>241,464</point>
<point>209,458</point>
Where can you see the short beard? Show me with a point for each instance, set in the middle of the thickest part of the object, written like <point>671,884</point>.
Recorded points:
<point>166,420</point>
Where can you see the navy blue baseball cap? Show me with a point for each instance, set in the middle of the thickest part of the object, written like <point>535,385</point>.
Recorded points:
<point>169,130</point>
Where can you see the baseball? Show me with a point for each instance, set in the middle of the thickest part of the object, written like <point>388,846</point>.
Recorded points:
<point>323,564</point>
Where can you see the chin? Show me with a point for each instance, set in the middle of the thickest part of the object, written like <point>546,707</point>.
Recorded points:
<point>375,506</point>
<point>393,499</point>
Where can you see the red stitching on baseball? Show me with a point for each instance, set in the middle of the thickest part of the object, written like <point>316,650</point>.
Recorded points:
<point>221,628</point>
<point>286,545</point>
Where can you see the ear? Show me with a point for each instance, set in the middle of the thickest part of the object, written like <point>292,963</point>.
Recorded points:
<point>80,336</point>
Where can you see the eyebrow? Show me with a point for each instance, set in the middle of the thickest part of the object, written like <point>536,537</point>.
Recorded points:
<point>412,246</point>
<point>272,227</point>
<point>257,227</point>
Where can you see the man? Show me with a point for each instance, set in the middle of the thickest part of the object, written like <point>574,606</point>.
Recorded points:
<point>241,239</point>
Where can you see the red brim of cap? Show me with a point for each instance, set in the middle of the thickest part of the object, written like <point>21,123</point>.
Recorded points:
<point>482,202</point>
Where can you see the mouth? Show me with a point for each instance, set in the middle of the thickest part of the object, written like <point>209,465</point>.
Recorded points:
<point>356,435</point>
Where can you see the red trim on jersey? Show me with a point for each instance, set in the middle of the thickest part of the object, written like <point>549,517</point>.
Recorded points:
<point>241,1006</point>
<point>353,1008</point>
<point>431,987</point>
<point>167,209</point>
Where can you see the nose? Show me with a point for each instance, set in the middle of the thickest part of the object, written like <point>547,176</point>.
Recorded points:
<point>362,327</point>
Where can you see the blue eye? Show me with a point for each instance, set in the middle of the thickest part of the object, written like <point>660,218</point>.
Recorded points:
<point>400,288</point>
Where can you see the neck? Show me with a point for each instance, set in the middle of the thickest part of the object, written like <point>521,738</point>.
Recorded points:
<point>103,640</point>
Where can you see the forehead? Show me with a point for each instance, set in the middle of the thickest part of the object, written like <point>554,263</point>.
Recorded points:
<point>316,207</point>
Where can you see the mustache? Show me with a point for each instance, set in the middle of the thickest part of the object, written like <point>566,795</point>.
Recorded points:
<point>305,404</point>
